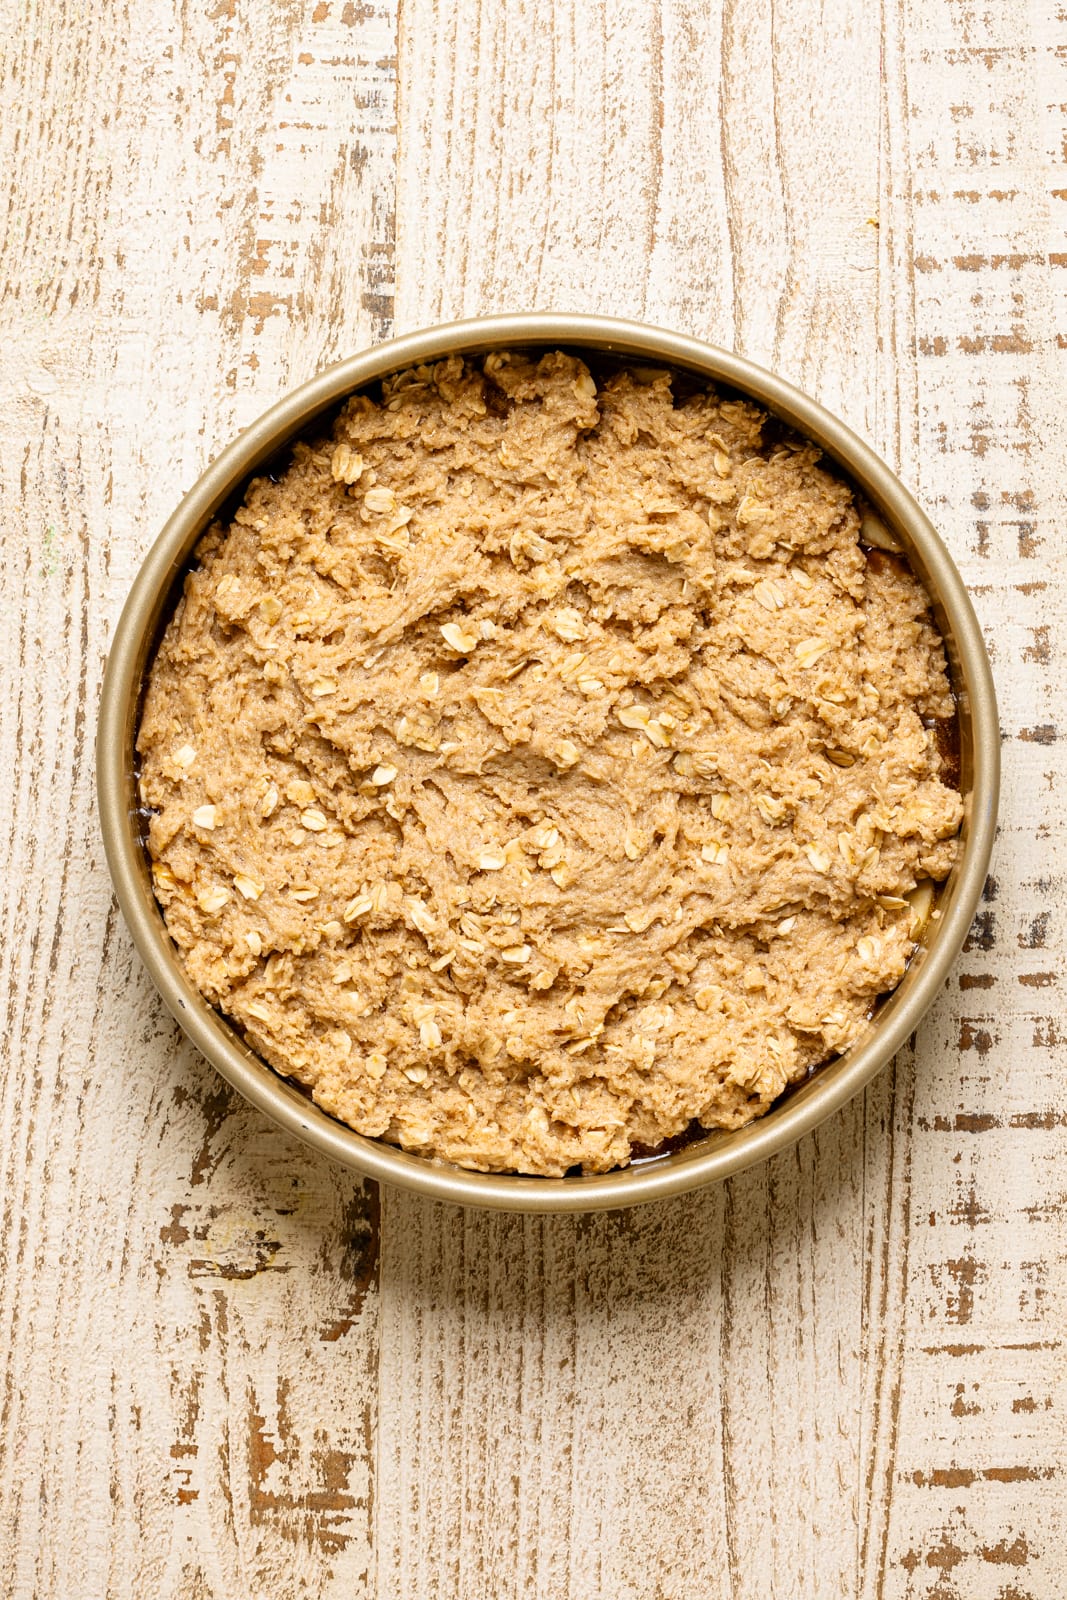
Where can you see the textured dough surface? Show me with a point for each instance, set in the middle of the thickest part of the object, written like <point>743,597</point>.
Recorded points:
<point>539,765</point>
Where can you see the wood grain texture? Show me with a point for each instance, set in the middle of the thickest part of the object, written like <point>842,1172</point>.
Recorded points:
<point>973,1435</point>
<point>229,1369</point>
<point>713,1374</point>
<point>198,211</point>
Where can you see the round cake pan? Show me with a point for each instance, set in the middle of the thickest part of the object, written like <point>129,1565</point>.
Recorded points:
<point>718,1154</point>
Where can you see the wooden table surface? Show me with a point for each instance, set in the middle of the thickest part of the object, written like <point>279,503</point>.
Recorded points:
<point>229,1369</point>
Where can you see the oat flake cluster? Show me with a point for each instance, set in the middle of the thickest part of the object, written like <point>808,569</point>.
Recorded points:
<point>538,767</point>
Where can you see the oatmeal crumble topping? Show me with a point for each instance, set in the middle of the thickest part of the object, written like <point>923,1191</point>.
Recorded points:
<point>539,766</point>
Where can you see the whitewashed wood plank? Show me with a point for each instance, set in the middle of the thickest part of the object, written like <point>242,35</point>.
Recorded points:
<point>478,1330</point>
<point>198,212</point>
<point>658,165</point>
<point>967,1444</point>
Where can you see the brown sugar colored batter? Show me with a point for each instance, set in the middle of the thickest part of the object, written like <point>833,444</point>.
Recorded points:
<point>538,766</point>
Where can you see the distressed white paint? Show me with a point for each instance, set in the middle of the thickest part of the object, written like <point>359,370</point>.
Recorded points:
<point>198,213</point>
